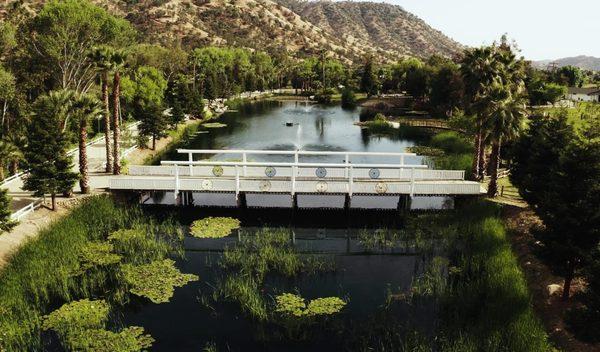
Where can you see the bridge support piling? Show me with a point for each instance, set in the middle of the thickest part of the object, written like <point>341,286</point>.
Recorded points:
<point>241,201</point>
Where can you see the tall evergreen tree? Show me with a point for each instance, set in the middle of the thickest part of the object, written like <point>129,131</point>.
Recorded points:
<point>6,223</point>
<point>50,166</point>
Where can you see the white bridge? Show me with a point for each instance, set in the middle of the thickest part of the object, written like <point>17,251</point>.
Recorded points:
<point>240,177</point>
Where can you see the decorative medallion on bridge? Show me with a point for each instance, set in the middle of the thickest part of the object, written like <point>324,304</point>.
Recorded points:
<point>381,187</point>
<point>321,172</point>
<point>321,187</point>
<point>374,173</point>
<point>270,171</point>
<point>217,171</point>
<point>264,186</point>
<point>207,185</point>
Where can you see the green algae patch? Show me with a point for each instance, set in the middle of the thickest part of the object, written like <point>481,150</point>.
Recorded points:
<point>289,304</point>
<point>214,227</point>
<point>131,339</point>
<point>155,281</point>
<point>96,254</point>
<point>213,125</point>
<point>76,317</point>
<point>325,306</point>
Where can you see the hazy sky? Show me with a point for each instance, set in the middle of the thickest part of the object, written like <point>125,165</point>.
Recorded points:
<point>544,29</point>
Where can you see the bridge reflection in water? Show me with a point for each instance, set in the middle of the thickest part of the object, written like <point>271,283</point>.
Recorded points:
<point>296,183</point>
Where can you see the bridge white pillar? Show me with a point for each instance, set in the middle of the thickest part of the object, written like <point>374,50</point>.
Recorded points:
<point>245,160</point>
<point>294,171</point>
<point>191,159</point>
<point>176,180</point>
<point>412,181</point>
<point>347,162</point>
<point>350,181</point>
<point>237,182</point>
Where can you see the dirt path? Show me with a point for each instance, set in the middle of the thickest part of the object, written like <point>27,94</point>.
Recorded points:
<point>30,226</point>
<point>549,308</point>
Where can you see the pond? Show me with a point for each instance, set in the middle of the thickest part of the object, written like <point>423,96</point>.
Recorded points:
<point>264,125</point>
<point>372,283</point>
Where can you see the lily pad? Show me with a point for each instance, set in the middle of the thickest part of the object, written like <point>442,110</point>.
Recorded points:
<point>155,281</point>
<point>131,339</point>
<point>214,227</point>
<point>96,254</point>
<point>77,316</point>
<point>293,305</point>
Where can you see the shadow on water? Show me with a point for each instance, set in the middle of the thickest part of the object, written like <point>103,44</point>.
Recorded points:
<point>372,284</point>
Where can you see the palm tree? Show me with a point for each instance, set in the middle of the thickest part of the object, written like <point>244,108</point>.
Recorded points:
<point>504,116</point>
<point>118,59</point>
<point>101,57</point>
<point>85,107</point>
<point>479,68</point>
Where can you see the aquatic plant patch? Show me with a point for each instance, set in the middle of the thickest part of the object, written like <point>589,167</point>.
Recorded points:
<point>293,305</point>
<point>95,254</point>
<point>155,281</point>
<point>77,316</point>
<point>214,227</point>
<point>130,339</point>
<point>425,151</point>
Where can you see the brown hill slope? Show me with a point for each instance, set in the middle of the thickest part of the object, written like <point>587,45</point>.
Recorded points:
<point>347,30</point>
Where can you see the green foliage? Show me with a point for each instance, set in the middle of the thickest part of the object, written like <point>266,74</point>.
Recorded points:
<point>214,125</point>
<point>130,339</point>
<point>95,254</point>
<point>568,199</point>
<point>155,281</point>
<point>348,98</point>
<point>6,223</point>
<point>50,166</point>
<point>426,151</point>
<point>244,290</point>
<point>76,317</point>
<point>80,326</point>
<point>41,272</point>
<point>61,35</point>
<point>293,305</point>
<point>369,82</point>
<point>214,227</point>
<point>451,143</point>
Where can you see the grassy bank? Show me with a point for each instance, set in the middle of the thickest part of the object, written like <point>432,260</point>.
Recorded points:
<point>480,295</point>
<point>74,259</point>
<point>178,136</point>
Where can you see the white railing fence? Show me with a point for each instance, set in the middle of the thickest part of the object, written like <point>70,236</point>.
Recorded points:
<point>19,214</point>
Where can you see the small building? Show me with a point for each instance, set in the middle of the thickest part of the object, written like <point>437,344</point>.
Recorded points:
<point>583,94</point>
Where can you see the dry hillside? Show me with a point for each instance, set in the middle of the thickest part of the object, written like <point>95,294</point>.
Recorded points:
<point>348,30</point>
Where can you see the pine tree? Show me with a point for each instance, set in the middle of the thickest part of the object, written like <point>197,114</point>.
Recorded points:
<point>50,165</point>
<point>153,121</point>
<point>6,224</point>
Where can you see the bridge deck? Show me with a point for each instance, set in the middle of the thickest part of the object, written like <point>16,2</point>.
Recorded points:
<point>295,177</point>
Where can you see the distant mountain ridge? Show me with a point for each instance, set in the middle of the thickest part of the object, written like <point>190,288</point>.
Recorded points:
<point>582,61</point>
<point>347,30</point>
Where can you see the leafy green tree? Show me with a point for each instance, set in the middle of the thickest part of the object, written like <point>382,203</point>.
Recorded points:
<point>85,108</point>
<point>447,88</point>
<point>59,38</point>
<point>50,169</point>
<point>145,93</point>
<point>569,75</point>
<point>6,223</point>
<point>7,93</point>
<point>568,199</point>
<point>552,92</point>
<point>369,82</point>
<point>348,98</point>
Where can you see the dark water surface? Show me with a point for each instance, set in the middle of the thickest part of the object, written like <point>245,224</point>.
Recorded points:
<point>364,280</point>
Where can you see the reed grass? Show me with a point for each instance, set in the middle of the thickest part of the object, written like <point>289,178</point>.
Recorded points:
<point>45,270</point>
